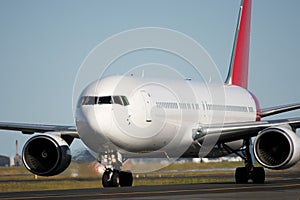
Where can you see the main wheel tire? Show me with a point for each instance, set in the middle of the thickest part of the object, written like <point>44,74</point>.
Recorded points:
<point>258,175</point>
<point>106,179</point>
<point>241,175</point>
<point>126,179</point>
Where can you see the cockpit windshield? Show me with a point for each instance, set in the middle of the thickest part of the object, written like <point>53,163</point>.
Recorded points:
<point>92,100</point>
<point>104,100</point>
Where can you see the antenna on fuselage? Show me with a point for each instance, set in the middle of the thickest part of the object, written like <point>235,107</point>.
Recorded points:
<point>143,73</point>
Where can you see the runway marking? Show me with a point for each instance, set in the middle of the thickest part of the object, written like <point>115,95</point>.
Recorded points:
<point>153,192</point>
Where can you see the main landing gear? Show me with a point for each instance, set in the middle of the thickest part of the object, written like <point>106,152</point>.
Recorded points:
<point>249,172</point>
<point>113,176</point>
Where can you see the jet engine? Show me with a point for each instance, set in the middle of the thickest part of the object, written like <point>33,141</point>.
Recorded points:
<point>277,148</point>
<point>46,155</point>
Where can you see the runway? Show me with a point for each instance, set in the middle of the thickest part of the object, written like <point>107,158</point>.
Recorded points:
<point>285,189</point>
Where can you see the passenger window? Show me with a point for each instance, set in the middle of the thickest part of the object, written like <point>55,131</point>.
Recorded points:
<point>104,100</point>
<point>117,100</point>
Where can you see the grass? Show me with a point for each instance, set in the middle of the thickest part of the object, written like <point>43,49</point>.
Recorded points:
<point>81,175</point>
<point>211,165</point>
<point>46,185</point>
<point>14,179</point>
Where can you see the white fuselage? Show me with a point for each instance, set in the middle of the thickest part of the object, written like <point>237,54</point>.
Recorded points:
<point>138,115</point>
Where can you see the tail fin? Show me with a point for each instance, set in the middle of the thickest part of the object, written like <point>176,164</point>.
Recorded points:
<point>238,71</point>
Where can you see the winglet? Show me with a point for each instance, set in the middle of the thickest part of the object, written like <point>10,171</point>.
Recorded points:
<point>238,70</point>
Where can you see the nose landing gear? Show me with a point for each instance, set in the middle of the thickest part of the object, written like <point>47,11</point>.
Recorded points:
<point>116,178</point>
<point>113,176</point>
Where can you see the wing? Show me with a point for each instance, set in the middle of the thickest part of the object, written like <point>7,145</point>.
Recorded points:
<point>40,128</point>
<point>235,131</point>
<point>278,109</point>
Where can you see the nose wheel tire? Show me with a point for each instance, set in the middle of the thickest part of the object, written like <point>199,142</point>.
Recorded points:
<point>115,179</point>
<point>106,178</point>
<point>125,179</point>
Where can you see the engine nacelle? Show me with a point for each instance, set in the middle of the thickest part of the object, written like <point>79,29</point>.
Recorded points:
<point>277,148</point>
<point>46,155</point>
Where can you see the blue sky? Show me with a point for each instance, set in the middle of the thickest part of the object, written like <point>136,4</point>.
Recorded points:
<point>43,43</point>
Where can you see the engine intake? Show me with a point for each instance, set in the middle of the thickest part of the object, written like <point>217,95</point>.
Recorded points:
<point>277,148</point>
<point>46,155</point>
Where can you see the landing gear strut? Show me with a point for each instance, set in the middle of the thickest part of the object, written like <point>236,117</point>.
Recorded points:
<point>243,174</point>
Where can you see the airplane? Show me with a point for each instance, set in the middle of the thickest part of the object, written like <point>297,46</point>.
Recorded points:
<point>123,117</point>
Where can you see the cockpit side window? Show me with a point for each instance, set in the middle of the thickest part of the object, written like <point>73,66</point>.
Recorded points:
<point>125,101</point>
<point>117,100</point>
<point>88,100</point>
<point>122,100</point>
